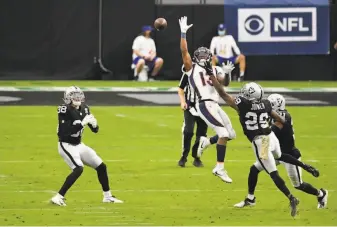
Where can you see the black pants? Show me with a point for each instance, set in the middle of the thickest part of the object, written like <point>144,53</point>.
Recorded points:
<point>188,132</point>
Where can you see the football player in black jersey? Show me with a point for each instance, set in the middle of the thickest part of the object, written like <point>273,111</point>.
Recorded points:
<point>255,114</point>
<point>73,116</point>
<point>285,134</point>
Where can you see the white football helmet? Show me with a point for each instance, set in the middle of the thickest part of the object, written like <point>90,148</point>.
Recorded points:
<point>277,101</point>
<point>73,95</point>
<point>252,92</point>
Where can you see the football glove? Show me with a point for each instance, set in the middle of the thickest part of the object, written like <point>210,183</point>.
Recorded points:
<point>86,119</point>
<point>227,68</point>
<point>93,122</point>
<point>183,24</point>
<point>209,68</point>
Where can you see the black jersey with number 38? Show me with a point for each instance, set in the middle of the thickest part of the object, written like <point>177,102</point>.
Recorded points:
<point>254,117</point>
<point>69,128</point>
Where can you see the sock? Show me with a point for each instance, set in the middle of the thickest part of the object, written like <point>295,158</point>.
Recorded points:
<point>220,152</point>
<point>103,177</point>
<point>107,194</point>
<point>291,160</point>
<point>252,179</point>
<point>250,196</point>
<point>195,147</point>
<point>242,73</point>
<point>320,193</point>
<point>279,182</point>
<point>187,143</point>
<point>70,180</point>
<point>220,165</point>
<point>309,189</point>
<point>214,139</point>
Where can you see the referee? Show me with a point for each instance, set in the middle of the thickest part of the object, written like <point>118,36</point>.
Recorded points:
<point>187,104</point>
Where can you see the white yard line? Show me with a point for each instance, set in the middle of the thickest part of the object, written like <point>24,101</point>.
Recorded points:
<point>150,160</point>
<point>146,190</point>
<point>175,226</point>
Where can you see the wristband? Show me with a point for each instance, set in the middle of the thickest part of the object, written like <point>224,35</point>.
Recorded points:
<point>183,35</point>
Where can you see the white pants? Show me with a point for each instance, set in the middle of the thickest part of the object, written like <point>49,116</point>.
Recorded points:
<point>216,118</point>
<point>266,149</point>
<point>294,173</point>
<point>77,155</point>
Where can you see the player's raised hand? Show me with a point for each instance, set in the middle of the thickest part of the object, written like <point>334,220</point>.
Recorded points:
<point>183,24</point>
<point>228,68</point>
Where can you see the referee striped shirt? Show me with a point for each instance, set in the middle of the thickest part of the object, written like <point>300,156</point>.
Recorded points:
<point>190,95</point>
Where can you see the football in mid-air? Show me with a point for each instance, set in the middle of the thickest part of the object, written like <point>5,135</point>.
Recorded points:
<point>160,24</point>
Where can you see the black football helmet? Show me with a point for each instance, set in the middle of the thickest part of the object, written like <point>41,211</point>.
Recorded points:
<point>202,55</point>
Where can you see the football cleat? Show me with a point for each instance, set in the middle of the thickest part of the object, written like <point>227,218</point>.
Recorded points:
<point>111,199</point>
<point>246,203</point>
<point>222,174</point>
<point>293,205</point>
<point>182,162</point>
<point>323,201</point>
<point>58,200</point>
<point>311,170</point>
<point>198,163</point>
<point>203,144</point>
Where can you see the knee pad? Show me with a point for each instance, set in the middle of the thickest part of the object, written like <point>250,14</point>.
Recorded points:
<point>78,170</point>
<point>101,168</point>
<point>232,133</point>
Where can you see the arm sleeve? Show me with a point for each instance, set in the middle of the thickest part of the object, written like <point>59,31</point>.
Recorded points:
<point>183,81</point>
<point>65,125</point>
<point>94,130</point>
<point>235,47</point>
<point>213,45</point>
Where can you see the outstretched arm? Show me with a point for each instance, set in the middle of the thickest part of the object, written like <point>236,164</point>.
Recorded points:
<point>223,94</point>
<point>219,88</point>
<point>277,117</point>
<point>183,43</point>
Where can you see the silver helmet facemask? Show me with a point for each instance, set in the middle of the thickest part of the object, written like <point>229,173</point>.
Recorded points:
<point>74,96</point>
<point>202,55</point>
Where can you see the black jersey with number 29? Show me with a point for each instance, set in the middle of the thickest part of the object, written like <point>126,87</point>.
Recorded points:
<point>254,117</point>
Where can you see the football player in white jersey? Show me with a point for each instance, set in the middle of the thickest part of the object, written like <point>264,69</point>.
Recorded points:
<point>222,47</point>
<point>207,97</point>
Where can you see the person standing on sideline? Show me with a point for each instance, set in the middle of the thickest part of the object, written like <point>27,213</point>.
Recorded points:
<point>144,53</point>
<point>222,47</point>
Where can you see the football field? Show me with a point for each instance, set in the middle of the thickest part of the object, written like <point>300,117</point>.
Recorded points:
<point>141,146</point>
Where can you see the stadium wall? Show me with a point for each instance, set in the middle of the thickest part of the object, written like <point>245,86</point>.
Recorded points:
<point>58,39</point>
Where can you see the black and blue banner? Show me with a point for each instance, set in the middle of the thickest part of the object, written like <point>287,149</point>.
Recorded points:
<point>279,27</point>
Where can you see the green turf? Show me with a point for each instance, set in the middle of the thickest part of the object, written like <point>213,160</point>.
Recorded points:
<point>141,147</point>
<point>287,84</point>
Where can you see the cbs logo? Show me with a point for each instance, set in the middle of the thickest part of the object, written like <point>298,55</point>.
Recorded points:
<point>254,24</point>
